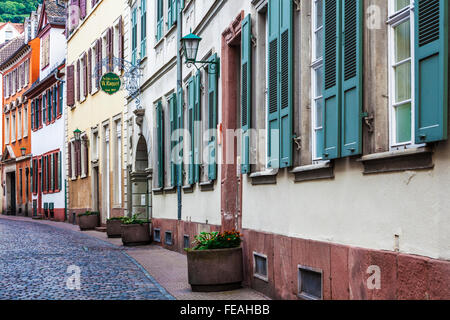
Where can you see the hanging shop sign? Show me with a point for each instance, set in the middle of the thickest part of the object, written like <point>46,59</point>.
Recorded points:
<point>110,83</point>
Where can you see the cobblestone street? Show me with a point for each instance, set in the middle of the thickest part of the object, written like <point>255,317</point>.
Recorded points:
<point>34,262</point>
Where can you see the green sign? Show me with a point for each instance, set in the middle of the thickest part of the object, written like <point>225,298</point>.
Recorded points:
<point>110,83</point>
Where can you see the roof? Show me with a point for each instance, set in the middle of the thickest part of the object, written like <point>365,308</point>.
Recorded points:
<point>55,11</point>
<point>10,48</point>
<point>17,26</point>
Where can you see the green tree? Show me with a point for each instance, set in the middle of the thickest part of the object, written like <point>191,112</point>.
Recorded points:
<point>17,10</point>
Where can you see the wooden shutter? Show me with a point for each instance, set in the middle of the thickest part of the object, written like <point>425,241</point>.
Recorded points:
<point>273,134</point>
<point>85,75</point>
<point>52,172</point>
<point>79,159</point>
<point>197,128</point>
<point>100,61</point>
<point>191,122</point>
<point>160,143</point>
<point>60,171</point>
<point>121,39</point>
<point>32,115</point>
<point>89,73</point>
<point>86,158</point>
<point>332,71</point>
<point>352,90</point>
<point>78,80</point>
<point>69,162</point>
<point>212,117</point>
<point>173,127</point>
<point>431,67</point>
<point>32,175</point>
<point>49,105</point>
<point>246,91</point>
<point>70,86</point>
<point>180,125</point>
<point>82,9</point>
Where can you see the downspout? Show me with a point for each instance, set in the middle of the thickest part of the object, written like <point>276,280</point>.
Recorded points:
<point>179,86</point>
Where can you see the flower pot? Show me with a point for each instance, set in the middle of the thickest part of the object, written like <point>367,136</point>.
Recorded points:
<point>136,234</point>
<point>88,222</point>
<point>215,270</point>
<point>113,228</point>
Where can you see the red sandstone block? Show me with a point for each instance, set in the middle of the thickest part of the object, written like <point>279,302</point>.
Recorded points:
<point>412,278</point>
<point>439,280</point>
<point>285,279</point>
<point>339,273</point>
<point>359,261</point>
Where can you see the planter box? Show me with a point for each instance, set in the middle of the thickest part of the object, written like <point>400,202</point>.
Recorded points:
<point>88,222</point>
<point>114,228</point>
<point>136,234</point>
<point>215,270</point>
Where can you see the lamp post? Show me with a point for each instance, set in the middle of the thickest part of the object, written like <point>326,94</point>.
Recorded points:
<point>190,44</point>
<point>77,135</point>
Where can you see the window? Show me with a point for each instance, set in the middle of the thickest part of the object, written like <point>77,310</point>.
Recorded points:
<point>83,80</point>
<point>19,131</point>
<point>45,51</point>
<point>159,19</point>
<point>7,129</point>
<point>134,36</point>
<point>83,157</point>
<point>20,185</point>
<point>8,35</point>
<point>160,137</point>
<point>13,126</point>
<point>260,267</point>
<point>317,79</point>
<point>172,13</point>
<point>95,144</point>
<point>168,238</point>
<point>25,122</point>
<point>143,28</point>
<point>118,166</point>
<point>157,235</point>
<point>187,243</point>
<point>310,283</point>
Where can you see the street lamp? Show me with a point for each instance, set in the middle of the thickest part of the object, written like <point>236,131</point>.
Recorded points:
<point>77,134</point>
<point>23,151</point>
<point>190,45</point>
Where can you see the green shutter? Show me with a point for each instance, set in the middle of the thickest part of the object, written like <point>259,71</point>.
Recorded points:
<point>143,28</point>
<point>180,125</point>
<point>55,101</point>
<point>352,90</point>
<point>191,123</point>
<point>31,175</point>
<point>431,67</point>
<point>332,83</point>
<point>169,14</point>
<point>246,94</point>
<point>59,170</point>
<point>173,127</point>
<point>197,128</point>
<point>61,97</point>
<point>32,115</point>
<point>134,36</point>
<point>160,137</point>
<point>212,119</point>
<point>52,172</point>
<point>174,11</point>
<point>273,127</point>
<point>49,105</point>
<point>159,20</point>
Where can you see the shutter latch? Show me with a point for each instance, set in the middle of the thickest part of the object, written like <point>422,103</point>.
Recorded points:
<point>368,120</point>
<point>298,141</point>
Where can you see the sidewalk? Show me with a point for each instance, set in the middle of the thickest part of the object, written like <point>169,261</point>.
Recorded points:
<point>168,268</point>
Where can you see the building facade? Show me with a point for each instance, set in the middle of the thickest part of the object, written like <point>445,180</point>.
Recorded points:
<point>20,69</point>
<point>323,138</point>
<point>9,31</point>
<point>47,96</point>
<point>94,162</point>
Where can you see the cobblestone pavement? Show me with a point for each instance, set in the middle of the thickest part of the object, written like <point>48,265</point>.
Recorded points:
<point>34,262</point>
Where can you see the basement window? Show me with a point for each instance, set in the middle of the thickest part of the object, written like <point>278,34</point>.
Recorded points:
<point>157,235</point>
<point>168,238</point>
<point>187,243</point>
<point>310,284</point>
<point>260,266</point>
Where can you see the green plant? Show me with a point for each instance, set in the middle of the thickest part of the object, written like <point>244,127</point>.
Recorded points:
<point>134,220</point>
<point>89,213</point>
<point>117,219</point>
<point>216,240</point>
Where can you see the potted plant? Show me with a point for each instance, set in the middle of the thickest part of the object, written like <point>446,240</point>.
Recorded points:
<point>135,232</point>
<point>215,262</point>
<point>113,227</point>
<point>88,220</point>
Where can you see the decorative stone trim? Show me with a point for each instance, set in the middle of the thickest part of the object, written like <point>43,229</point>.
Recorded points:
<point>170,190</point>
<point>158,191</point>
<point>188,189</point>
<point>207,186</point>
<point>264,177</point>
<point>401,160</point>
<point>324,170</point>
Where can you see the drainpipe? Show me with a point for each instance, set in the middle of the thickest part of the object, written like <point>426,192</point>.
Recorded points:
<point>179,84</point>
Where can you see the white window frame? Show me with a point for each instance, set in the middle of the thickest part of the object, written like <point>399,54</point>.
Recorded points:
<point>94,66</point>
<point>7,129</point>
<point>13,127</point>
<point>83,94</point>
<point>72,159</point>
<point>83,147</point>
<point>396,18</point>
<point>315,64</point>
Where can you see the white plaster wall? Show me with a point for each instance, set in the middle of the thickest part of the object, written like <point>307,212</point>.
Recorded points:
<point>357,210</point>
<point>8,27</point>
<point>57,51</point>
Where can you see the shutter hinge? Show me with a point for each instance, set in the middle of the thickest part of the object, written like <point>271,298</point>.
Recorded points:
<point>254,41</point>
<point>298,142</point>
<point>368,120</point>
<point>297,3</point>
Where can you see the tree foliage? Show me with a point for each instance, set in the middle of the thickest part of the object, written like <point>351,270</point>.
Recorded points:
<point>16,10</point>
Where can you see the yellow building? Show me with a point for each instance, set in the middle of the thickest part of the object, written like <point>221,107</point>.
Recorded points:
<point>94,156</point>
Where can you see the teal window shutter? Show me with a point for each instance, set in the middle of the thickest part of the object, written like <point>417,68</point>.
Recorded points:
<point>286,83</point>
<point>134,36</point>
<point>197,129</point>
<point>59,171</point>
<point>32,115</point>
<point>180,125</point>
<point>143,28</point>
<point>61,97</point>
<point>174,11</point>
<point>191,123</point>
<point>31,175</point>
<point>332,83</point>
<point>246,94</point>
<point>44,108</point>
<point>431,67</point>
<point>352,89</point>
<point>55,101</point>
<point>52,172</point>
<point>160,137</point>
<point>273,126</point>
<point>169,14</point>
<point>173,127</point>
<point>212,118</point>
<point>159,20</point>
<point>49,104</point>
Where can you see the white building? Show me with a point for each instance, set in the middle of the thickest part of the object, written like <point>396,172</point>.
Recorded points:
<point>9,31</point>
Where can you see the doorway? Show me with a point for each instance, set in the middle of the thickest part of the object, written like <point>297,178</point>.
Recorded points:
<point>11,193</point>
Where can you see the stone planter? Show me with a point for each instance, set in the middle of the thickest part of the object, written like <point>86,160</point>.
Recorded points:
<point>215,270</point>
<point>88,222</point>
<point>114,228</point>
<point>136,234</point>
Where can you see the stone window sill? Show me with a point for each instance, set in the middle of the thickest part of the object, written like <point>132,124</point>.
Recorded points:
<point>323,170</point>
<point>158,191</point>
<point>170,190</point>
<point>401,160</point>
<point>264,177</point>
<point>207,186</point>
<point>188,189</point>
